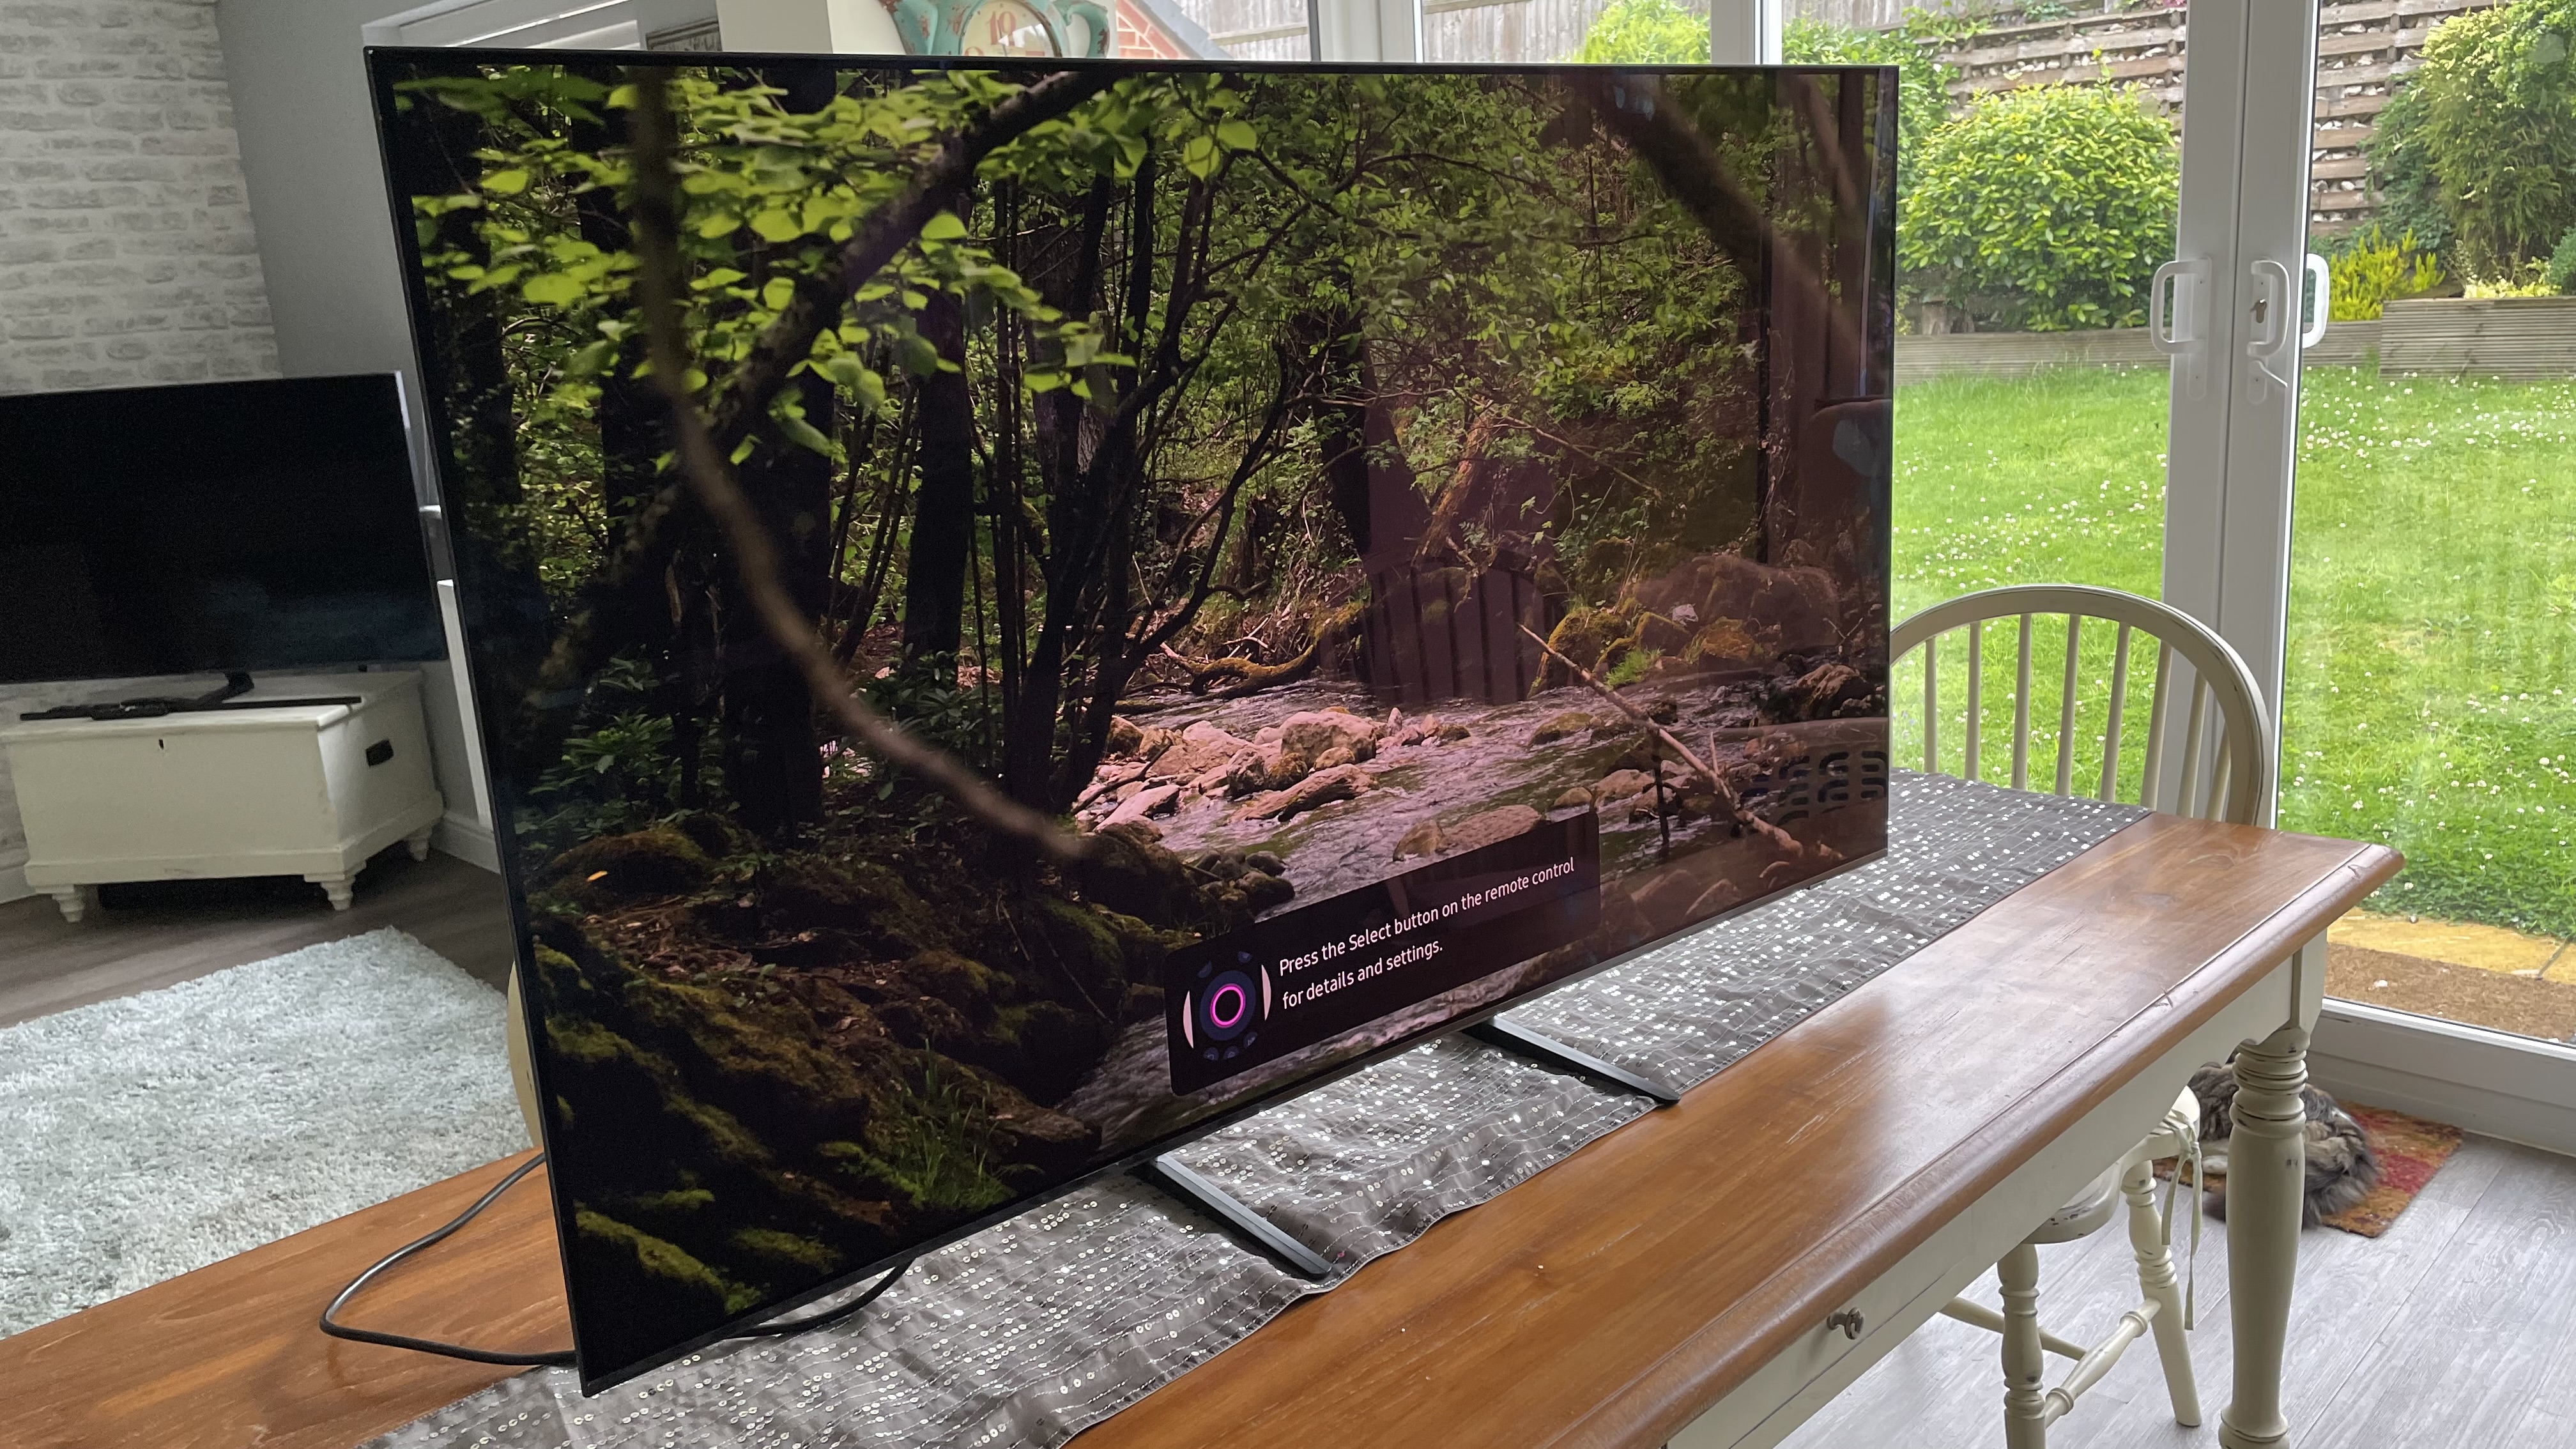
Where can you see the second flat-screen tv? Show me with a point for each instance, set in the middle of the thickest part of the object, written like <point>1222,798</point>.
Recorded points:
<point>265,525</point>
<point>1426,528</point>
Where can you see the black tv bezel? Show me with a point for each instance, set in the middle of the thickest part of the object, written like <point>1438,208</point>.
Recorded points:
<point>413,448</point>
<point>380,59</point>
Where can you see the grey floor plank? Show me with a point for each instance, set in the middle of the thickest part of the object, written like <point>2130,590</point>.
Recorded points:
<point>2377,1354</point>
<point>149,936</point>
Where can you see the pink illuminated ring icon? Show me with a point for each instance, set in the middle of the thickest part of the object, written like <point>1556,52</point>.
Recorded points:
<point>1227,1004</point>
<point>1226,1009</point>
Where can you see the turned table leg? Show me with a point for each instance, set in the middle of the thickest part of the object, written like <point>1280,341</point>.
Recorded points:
<point>2266,1171</point>
<point>2025,1406</point>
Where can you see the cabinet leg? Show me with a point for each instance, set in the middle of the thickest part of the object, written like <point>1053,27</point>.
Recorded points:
<point>2266,1172</point>
<point>340,888</point>
<point>418,844</point>
<point>74,901</point>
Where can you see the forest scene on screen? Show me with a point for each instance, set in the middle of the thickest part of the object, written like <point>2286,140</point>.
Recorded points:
<point>1285,480</point>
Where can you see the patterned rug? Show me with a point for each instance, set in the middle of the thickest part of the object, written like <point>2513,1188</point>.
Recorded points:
<point>2410,1150</point>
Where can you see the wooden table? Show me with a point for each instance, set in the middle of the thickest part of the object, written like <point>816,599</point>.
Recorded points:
<point>1668,1283</point>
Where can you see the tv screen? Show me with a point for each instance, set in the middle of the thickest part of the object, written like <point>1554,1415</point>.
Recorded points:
<point>229,526</point>
<point>1425,530</point>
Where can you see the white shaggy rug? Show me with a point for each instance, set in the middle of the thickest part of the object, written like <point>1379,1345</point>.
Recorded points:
<point>143,1137</point>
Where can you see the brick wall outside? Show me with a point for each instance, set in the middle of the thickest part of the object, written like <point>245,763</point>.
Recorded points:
<point>126,254</point>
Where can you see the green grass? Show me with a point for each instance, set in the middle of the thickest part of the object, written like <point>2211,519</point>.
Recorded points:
<point>2431,702</point>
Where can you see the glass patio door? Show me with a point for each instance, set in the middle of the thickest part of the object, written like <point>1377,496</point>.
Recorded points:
<point>2430,693</point>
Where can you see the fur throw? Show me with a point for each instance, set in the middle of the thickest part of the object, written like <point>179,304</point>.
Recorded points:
<point>2341,1169</point>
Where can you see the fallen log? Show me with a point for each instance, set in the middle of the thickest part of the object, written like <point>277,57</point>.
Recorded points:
<point>1731,802</point>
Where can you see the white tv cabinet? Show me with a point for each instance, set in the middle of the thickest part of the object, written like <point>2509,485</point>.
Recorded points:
<point>308,790</point>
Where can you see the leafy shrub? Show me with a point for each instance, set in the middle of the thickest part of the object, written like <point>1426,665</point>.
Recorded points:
<point>2046,208</point>
<point>2374,269</point>
<point>1645,32</point>
<point>1922,83</point>
<point>2485,132</point>
<point>2561,275</point>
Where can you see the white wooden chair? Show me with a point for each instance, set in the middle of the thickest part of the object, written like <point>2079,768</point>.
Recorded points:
<point>2221,770</point>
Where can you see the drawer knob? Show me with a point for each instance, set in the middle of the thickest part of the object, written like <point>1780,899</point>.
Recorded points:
<point>1848,1321</point>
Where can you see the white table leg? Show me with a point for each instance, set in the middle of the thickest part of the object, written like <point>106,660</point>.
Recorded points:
<point>2025,1364</point>
<point>2266,1179</point>
<point>340,888</point>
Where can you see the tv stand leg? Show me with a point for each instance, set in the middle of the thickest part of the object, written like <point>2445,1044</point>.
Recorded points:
<point>1498,1033</point>
<point>418,844</point>
<point>340,888</point>
<point>75,900</point>
<point>1248,1227</point>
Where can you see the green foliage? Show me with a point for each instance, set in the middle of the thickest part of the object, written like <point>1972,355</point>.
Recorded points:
<point>1922,83</point>
<point>2374,268</point>
<point>2561,274</point>
<point>2401,170</point>
<point>2044,209</point>
<point>1645,32</point>
<point>935,1142</point>
<point>2485,131</point>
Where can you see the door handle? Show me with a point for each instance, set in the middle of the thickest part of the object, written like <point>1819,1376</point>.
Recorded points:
<point>2180,327</point>
<point>2276,324</point>
<point>2318,272</point>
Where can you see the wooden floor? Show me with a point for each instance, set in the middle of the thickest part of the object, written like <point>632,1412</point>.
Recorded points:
<point>153,935</point>
<point>2457,1327</point>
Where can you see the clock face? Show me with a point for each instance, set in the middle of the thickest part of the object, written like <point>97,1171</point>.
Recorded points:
<point>1005,27</point>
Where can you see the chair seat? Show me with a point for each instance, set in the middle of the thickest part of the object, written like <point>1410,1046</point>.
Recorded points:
<point>2086,1212</point>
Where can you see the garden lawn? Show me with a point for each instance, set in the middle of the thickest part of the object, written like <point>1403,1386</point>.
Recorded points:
<point>2431,697</point>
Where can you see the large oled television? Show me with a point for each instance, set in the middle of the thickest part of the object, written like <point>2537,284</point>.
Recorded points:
<point>224,527</point>
<point>1426,529</point>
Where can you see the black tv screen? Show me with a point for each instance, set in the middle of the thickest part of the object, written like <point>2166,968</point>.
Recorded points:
<point>1426,530</point>
<point>230,526</point>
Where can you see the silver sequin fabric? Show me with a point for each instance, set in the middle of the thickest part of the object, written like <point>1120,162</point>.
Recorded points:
<point>1027,1333</point>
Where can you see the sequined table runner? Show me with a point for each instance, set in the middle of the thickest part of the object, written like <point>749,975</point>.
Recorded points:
<point>1029,1332</point>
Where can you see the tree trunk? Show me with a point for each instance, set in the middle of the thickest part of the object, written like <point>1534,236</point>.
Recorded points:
<point>943,520</point>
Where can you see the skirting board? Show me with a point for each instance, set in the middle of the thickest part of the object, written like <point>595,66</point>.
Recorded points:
<point>468,840</point>
<point>2489,1082</point>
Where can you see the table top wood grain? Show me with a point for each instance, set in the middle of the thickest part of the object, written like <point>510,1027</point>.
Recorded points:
<point>1607,1301</point>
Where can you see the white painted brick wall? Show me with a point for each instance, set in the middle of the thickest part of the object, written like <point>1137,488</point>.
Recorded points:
<point>126,254</point>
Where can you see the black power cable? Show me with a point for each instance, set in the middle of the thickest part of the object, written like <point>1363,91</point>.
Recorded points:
<point>561,1358</point>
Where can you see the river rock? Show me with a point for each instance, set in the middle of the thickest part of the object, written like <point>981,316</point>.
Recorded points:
<point>1821,693</point>
<point>1124,736</point>
<point>1561,726</point>
<point>1620,784</point>
<point>1316,733</point>
<point>1422,839</point>
<point>1263,890</point>
<point>1321,788</point>
<point>1201,748</point>
<point>1789,610</point>
<point>1450,734</point>
<point>1264,862</point>
<point>1578,798</point>
<point>1156,801</point>
<point>1483,829</point>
